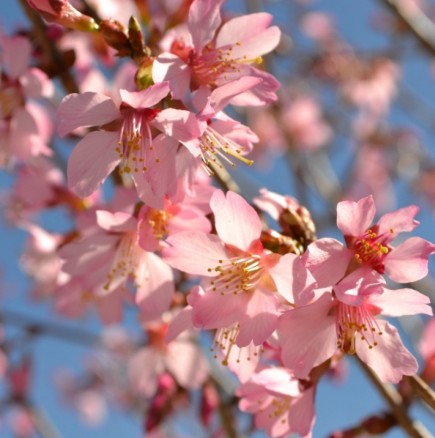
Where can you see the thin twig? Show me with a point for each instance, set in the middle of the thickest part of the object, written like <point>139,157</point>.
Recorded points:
<point>42,423</point>
<point>417,22</point>
<point>37,328</point>
<point>394,401</point>
<point>422,389</point>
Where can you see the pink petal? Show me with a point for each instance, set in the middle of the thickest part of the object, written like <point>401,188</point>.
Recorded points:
<point>204,19</point>
<point>260,319</point>
<point>398,221</point>
<point>179,124</point>
<point>169,67</point>
<point>409,261</point>
<point>155,293</point>
<point>86,109</point>
<point>302,414</point>
<point>257,45</point>
<point>91,161</point>
<point>354,218</point>
<point>181,322</point>
<point>307,336</point>
<point>292,279</point>
<point>327,259</point>
<point>212,310</point>
<point>158,180</point>
<point>402,302</point>
<point>263,93</point>
<point>389,359</point>
<point>243,28</point>
<point>145,98</point>
<point>359,284</point>
<point>194,253</point>
<point>16,53</point>
<point>237,223</point>
<point>277,380</point>
<point>36,84</point>
<point>187,363</point>
<point>116,222</point>
<point>221,96</point>
<point>144,368</point>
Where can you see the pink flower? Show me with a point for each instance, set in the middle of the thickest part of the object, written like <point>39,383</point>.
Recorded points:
<point>104,265</point>
<point>345,321</point>
<point>427,350</point>
<point>240,278</point>
<point>220,137</point>
<point>210,57</point>
<point>279,402</point>
<point>371,242</point>
<point>177,215</point>
<point>182,357</point>
<point>24,126</point>
<point>126,140</point>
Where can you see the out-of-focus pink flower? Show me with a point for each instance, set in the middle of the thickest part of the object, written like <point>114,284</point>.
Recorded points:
<point>182,358</point>
<point>374,91</point>
<point>304,124</point>
<point>371,242</point>
<point>211,57</point>
<point>24,130</point>
<point>427,350</point>
<point>280,405</point>
<point>102,267</point>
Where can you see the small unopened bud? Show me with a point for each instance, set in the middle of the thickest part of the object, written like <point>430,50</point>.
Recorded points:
<point>62,12</point>
<point>209,403</point>
<point>115,35</point>
<point>280,244</point>
<point>298,224</point>
<point>143,77</point>
<point>137,42</point>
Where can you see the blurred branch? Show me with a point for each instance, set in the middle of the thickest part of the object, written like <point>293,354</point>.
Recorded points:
<point>422,389</point>
<point>416,21</point>
<point>395,402</point>
<point>51,52</point>
<point>37,328</point>
<point>42,423</point>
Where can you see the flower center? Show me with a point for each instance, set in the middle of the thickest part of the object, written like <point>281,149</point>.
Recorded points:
<point>372,249</point>
<point>135,140</point>
<point>352,321</point>
<point>158,221</point>
<point>214,145</point>
<point>213,65</point>
<point>127,263</point>
<point>237,275</point>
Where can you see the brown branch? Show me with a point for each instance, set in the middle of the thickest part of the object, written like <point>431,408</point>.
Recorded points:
<point>395,403</point>
<point>416,21</point>
<point>42,423</point>
<point>37,327</point>
<point>422,389</point>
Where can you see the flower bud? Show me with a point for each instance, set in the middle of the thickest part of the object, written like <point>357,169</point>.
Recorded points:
<point>115,35</point>
<point>62,12</point>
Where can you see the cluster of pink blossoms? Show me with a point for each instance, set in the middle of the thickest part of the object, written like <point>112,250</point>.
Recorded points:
<point>277,315</point>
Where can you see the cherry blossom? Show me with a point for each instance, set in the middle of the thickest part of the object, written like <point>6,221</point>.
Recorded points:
<point>208,56</point>
<point>371,242</point>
